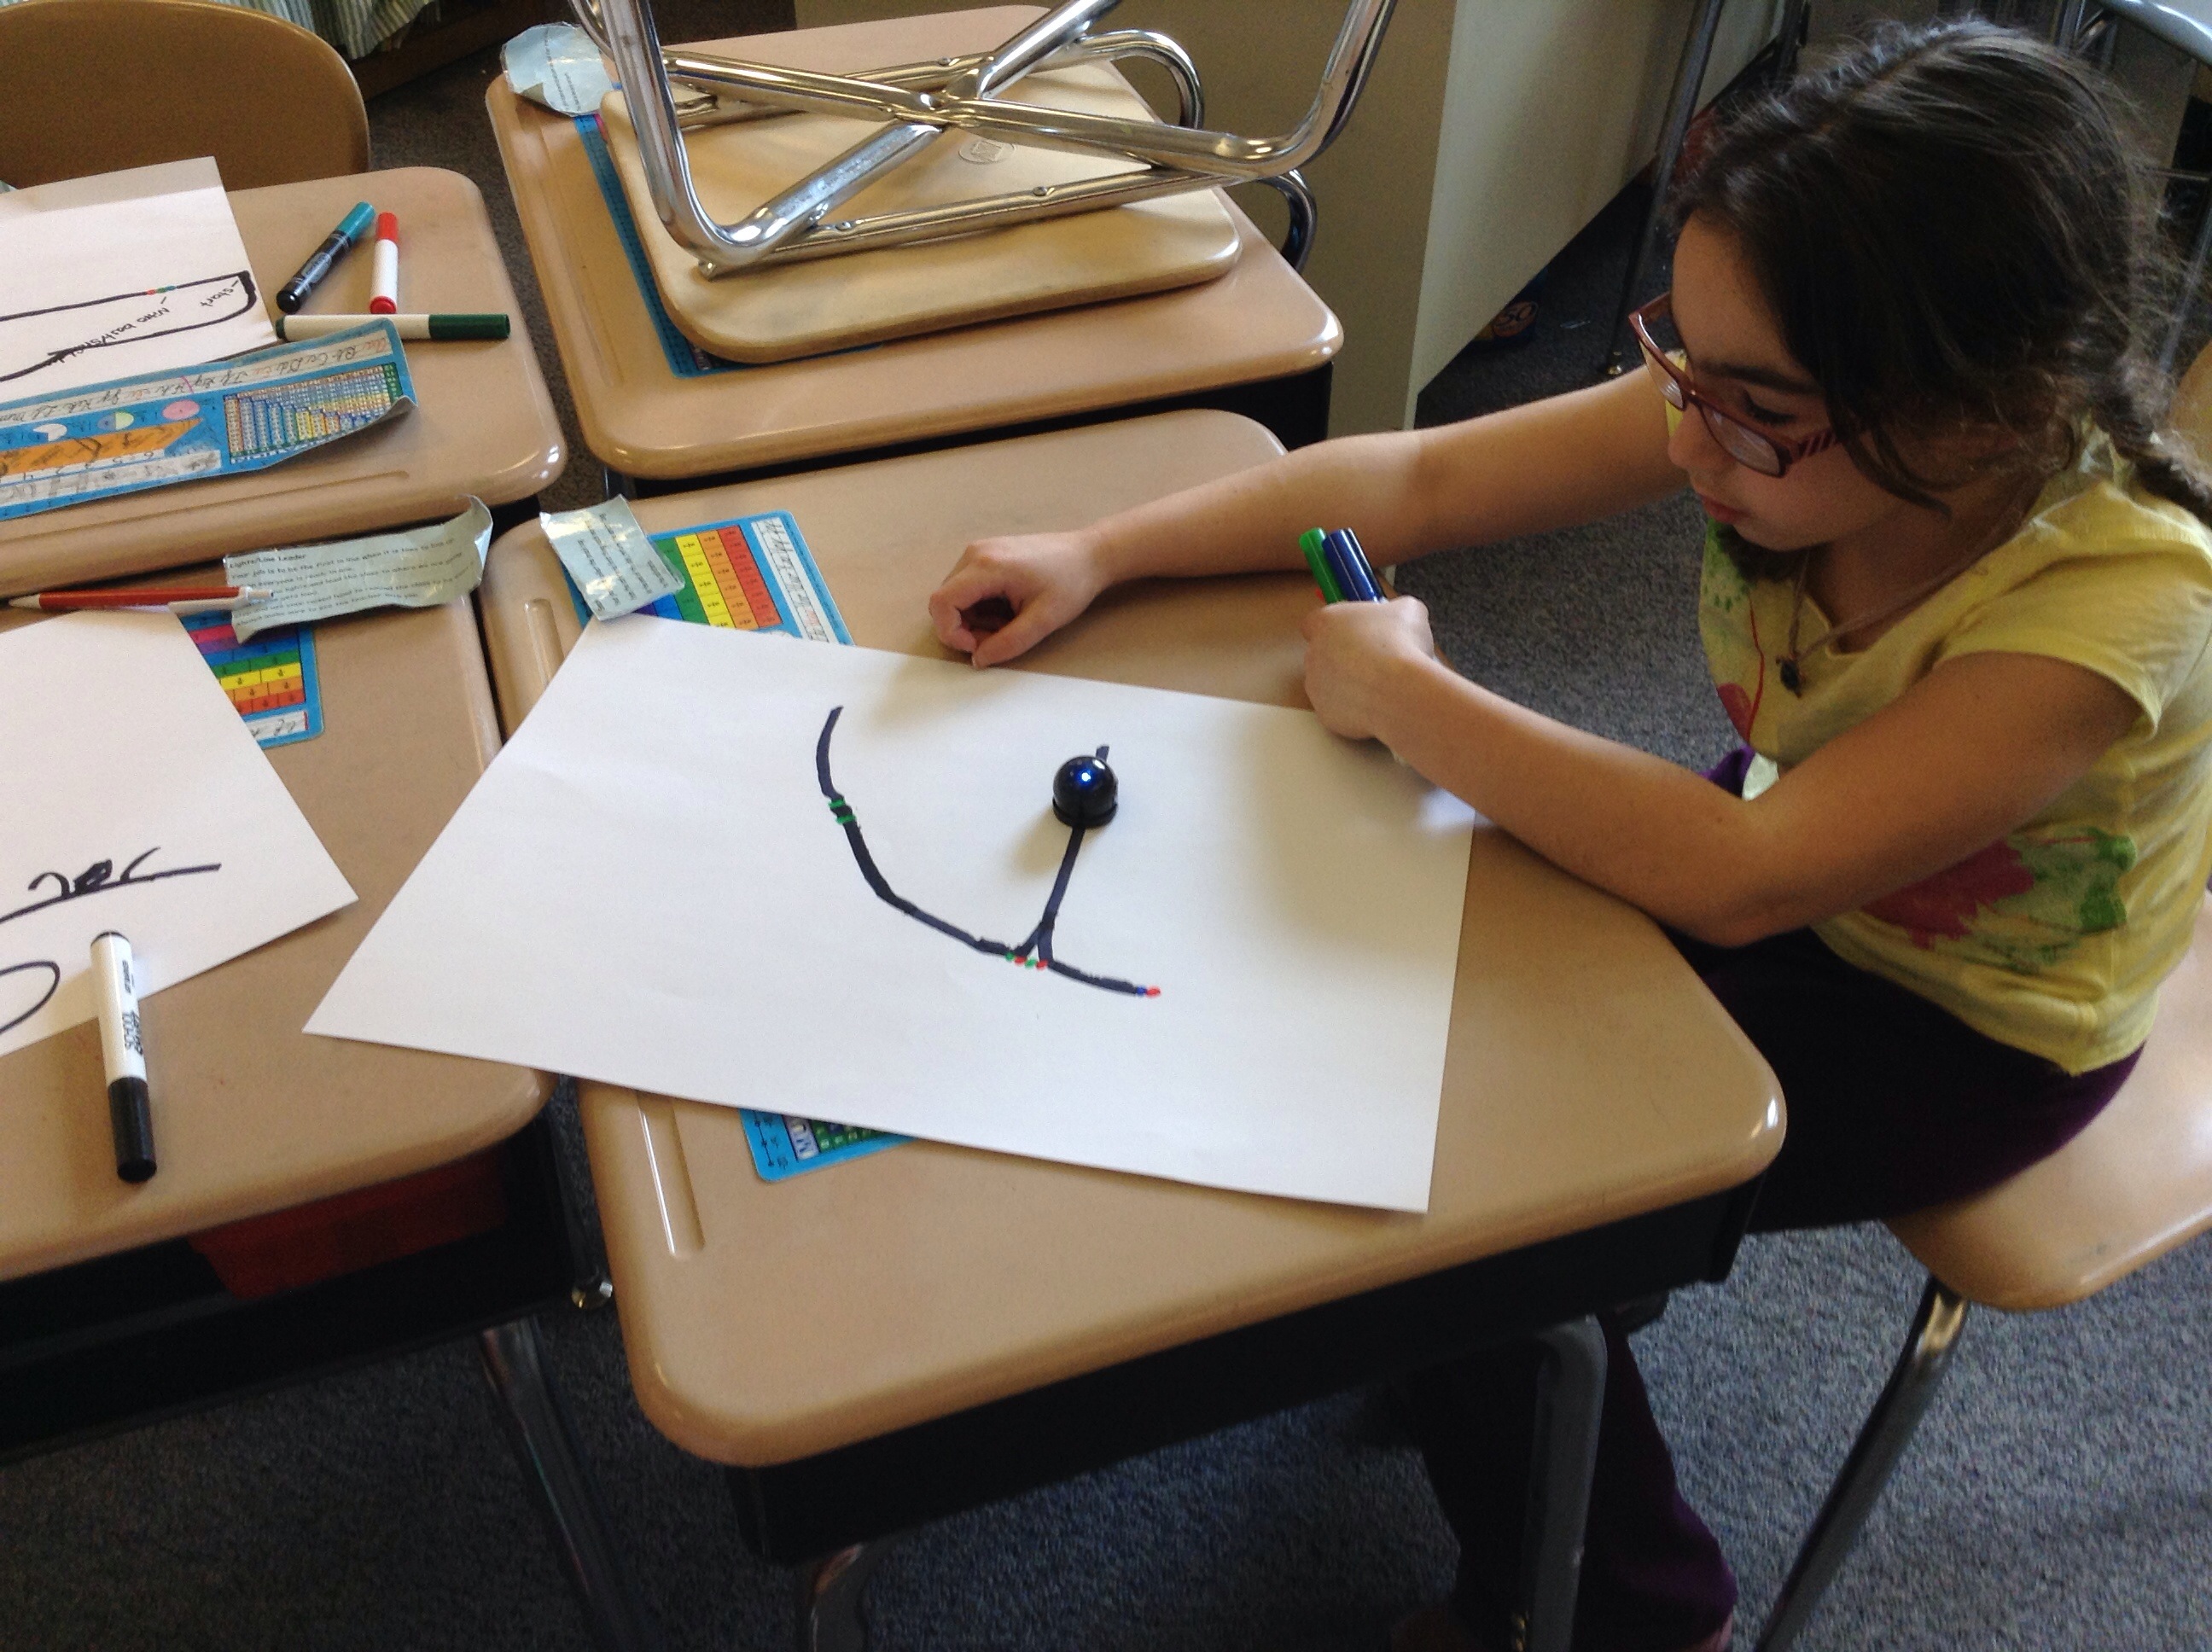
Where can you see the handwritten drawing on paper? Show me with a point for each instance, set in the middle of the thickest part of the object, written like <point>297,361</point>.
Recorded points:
<point>642,889</point>
<point>144,807</point>
<point>121,274</point>
<point>33,340</point>
<point>44,975</point>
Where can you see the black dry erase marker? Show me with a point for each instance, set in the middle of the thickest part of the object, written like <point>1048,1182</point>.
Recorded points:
<point>123,1052</point>
<point>293,292</point>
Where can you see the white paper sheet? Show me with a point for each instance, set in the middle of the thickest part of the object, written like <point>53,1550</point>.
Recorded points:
<point>133,798</point>
<point>649,887</point>
<point>124,273</point>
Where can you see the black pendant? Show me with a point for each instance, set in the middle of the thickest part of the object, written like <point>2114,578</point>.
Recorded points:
<point>1791,680</point>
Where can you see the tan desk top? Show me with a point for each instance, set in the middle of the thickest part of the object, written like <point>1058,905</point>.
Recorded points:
<point>250,1114</point>
<point>482,423</point>
<point>1259,321</point>
<point>1589,1077</point>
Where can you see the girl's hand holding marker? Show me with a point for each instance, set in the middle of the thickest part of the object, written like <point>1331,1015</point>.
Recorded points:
<point>1956,599</point>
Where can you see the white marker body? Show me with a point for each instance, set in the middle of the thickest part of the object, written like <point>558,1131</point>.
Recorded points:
<point>384,283</point>
<point>115,988</point>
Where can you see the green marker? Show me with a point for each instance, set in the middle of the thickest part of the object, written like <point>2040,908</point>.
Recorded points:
<point>1309,542</point>
<point>292,327</point>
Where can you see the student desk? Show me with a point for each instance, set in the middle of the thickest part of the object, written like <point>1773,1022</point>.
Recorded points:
<point>483,423</point>
<point>107,1317</point>
<point>251,1114</point>
<point>892,1338</point>
<point>1257,339</point>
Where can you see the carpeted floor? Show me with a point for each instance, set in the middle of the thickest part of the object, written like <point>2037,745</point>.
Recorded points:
<point>2059,1496</point>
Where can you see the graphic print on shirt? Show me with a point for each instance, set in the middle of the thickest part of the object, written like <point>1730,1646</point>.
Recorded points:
<point>2021,903</point>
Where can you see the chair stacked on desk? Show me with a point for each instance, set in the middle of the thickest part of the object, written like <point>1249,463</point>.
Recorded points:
<point>658,411</point>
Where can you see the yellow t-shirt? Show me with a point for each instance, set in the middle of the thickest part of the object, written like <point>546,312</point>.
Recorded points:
<point>2054,938</point>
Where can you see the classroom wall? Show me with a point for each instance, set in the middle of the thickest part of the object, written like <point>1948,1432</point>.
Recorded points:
<point>1491,130</point>
<point>1550,109</point>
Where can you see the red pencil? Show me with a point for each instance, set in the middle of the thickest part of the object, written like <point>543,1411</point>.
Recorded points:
<point>177,599</point>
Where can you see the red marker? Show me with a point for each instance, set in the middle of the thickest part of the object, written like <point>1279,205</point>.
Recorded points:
<point>384,284</point>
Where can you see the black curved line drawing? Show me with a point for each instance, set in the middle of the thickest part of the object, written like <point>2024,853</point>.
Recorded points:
<point>134,331</point>
<point>98,878</point>
<point>1034,952</point>
<point>53,985</point>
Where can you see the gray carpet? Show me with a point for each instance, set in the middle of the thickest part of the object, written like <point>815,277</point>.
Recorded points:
<point>2059,1496</point>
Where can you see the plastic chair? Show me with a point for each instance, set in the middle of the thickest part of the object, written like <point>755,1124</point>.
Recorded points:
<point>2133,1186</point>
<point>92,86</point>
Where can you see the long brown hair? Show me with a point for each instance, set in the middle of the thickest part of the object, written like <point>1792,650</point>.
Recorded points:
<point>1952,228</point>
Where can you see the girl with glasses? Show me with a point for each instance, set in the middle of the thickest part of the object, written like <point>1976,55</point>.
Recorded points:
<point>1956,599</point>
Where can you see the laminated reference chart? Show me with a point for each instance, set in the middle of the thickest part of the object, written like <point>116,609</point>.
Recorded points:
<point>244,414</point>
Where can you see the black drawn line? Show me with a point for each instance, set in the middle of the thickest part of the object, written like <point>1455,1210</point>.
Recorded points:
<point>100,878</point>
<point>1039,942</point>
<point>128,330</point>
<point>53,982</point>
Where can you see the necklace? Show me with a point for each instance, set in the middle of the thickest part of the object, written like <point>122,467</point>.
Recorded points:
<point>1787,667</point>
<point>1792,677</point>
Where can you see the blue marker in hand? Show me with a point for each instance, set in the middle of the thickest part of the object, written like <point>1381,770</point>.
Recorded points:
<point>1355,574</point>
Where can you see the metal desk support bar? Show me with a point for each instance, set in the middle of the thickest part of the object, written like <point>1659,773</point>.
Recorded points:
<point>1570,1394</point>
<point>918,101</point>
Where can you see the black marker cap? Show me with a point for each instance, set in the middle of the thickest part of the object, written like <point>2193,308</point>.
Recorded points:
<point>130,1110</point>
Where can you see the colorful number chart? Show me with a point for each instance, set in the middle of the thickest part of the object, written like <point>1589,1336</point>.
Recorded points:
<point>750,573</point>
<point>244,414</point>
<point>784,1145</point>
<point>304,412</point>
<point>271,680</point>
<point>755,574</point>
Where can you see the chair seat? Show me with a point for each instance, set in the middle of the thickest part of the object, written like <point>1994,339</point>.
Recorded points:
<point>2131,1186</point>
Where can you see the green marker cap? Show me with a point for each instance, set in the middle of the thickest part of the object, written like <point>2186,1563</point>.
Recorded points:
<point>1309,542</point>
<point>469,327</point>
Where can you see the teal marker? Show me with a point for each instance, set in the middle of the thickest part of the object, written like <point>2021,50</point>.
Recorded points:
<point>1310,541</point>
<point>293,292</point>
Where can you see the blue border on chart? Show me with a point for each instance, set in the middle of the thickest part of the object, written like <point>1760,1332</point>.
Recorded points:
<point>685,359</point>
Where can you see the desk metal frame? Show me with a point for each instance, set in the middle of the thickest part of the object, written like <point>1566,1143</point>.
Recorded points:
<point>832,1514</point>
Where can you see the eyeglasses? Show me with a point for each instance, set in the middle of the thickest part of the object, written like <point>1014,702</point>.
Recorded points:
<point>1753,449</point>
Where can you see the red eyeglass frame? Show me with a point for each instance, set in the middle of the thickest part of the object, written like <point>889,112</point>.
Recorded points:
<point>1739,441</point>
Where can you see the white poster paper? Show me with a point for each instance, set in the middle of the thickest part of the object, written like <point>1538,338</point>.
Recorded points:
<point>133,798</point>
<point>122,274</point>
<point>682,875</point>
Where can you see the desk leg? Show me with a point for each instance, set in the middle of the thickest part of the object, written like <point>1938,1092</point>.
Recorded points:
<point>1569,1392</point>
<point>829,1592</point>
<point>544,1442</point>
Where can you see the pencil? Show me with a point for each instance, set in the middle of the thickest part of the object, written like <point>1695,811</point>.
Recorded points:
<point>177,599</point>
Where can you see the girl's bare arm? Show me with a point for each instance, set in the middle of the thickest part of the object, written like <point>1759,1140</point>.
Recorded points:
<point>1552,464</point>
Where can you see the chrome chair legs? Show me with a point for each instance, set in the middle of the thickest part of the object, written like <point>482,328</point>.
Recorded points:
<point>544,1442</point>
<point>1904,1400</point>
<point>917,102</point>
